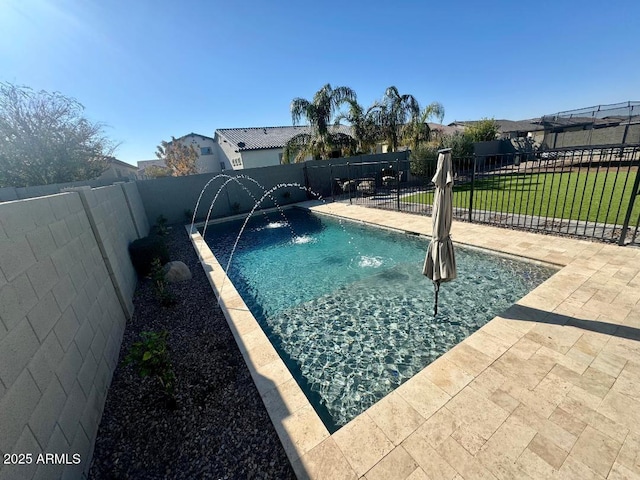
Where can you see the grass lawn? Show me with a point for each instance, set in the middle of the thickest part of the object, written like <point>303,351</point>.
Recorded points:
<point>596,197</point>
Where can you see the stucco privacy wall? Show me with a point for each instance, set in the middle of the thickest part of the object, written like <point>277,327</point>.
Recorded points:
<point>61,320</point>
<point>172,196</point>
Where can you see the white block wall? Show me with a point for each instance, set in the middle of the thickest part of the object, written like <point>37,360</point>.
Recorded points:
<point>61,323</point>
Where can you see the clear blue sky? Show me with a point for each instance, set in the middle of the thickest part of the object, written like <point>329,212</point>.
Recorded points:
<point>152,69</point>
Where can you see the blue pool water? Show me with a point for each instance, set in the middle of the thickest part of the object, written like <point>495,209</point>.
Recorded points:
<point>347,307</point>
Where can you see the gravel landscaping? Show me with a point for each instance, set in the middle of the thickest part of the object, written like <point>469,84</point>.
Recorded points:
<point>220,428</point>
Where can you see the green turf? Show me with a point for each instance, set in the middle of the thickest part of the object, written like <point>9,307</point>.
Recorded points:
<point>596,197</point>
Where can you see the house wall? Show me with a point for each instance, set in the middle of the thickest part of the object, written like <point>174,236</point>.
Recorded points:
<point>119,173</point>
<point>261,158</point>
<point>205,163</point>
<point>63,260</point>
<point>226,153</point>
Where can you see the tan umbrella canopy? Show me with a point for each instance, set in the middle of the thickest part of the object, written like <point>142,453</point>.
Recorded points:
<point>440,261</point>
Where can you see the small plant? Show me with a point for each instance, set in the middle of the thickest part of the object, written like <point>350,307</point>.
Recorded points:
<point>161,226</point>
<point>150,357</point>
<point>160,285</point>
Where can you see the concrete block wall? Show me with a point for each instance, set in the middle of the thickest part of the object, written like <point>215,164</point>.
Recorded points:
<point>19,193</point>
<point>171,196</point>
<point>136,208</point>
<point>64,268</point>
<point>61,326</point>
<point>114,228</point>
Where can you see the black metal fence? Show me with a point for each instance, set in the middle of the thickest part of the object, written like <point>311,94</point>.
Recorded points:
<point>586,192</point>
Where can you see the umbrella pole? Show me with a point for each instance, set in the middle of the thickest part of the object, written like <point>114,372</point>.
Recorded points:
<point>436,285</point>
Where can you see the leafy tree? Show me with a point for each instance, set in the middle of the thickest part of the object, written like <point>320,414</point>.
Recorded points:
<point>423,159</point>
<point>177,156</point>
<point>44,139</point>
<point>392,113</point>
<point>321,140</point>
<point>461,144</point>
<point>156,171</point>
<point>483,130</point>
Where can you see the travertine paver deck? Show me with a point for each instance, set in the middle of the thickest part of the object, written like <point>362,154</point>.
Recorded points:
<point>550,389</point>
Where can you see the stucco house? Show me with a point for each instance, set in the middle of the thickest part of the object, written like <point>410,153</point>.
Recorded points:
<point>205,147</point>
<point>118,169</point>
<point>205,163</point>
<point>252,147</point>
<point>239,148</point>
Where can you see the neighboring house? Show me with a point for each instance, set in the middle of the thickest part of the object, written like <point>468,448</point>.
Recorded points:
<point>254,147</point>
<point>205,147</point>
<point>206,162</point>
<point>119,170</point>
<point>438,130</point>
<point>144,164</point>
<point>240,148</point>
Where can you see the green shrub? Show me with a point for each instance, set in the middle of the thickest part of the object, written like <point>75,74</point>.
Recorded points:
<point>423,160</point>
<point>160,228</point>
<point>150,357</point>
<point>160,285</point>
<point>461,144</point>
<point>144,250</point>
<point>483,130</point>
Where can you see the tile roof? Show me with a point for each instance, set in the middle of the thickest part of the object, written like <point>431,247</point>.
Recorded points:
<point>259,138</point>
<point>445,129</point>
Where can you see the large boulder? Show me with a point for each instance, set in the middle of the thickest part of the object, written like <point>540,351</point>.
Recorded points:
<point>176,272</point>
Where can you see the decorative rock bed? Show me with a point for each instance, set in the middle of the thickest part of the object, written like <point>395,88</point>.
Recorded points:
<point>220,428</point>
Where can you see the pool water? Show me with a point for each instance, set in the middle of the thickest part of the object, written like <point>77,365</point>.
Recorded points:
<point>347,307</point>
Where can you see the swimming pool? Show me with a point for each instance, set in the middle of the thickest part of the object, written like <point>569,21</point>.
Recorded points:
<point>347,307</point>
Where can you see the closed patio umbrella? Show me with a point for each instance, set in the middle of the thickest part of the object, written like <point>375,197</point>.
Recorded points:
<point>440,261</point>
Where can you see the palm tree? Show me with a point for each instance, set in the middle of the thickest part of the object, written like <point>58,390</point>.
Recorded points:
<point>392,113</point>
<point>363,126</point>
<point>320,141</point>
<point>417,131</point>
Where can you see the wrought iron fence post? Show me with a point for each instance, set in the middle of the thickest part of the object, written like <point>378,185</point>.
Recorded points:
<point>627,217</point>
<point>349,183</point>
<point>398,184</point>
<point>473,178</point>
<point>331,180</point>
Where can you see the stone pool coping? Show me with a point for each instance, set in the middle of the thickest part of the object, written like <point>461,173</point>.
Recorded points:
<point>549,388</point>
